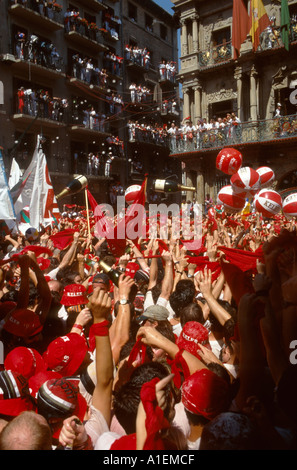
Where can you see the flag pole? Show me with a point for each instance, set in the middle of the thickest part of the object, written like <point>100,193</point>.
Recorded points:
<point>87,208</point>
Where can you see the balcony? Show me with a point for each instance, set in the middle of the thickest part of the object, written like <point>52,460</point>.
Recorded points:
<point>270,131</point>
<point>271,38</point>
<point>90,39</point>
<point>87,124</point>
<point>215,55</point>
<point>49,20</point>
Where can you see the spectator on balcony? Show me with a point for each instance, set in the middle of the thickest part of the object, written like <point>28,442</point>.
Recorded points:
<point>278,111</point>
<point>89,70</point>
<point>133,91</point>
<point>147,59</point>
<point>20,39</point>
<point>162,70</point>
<point>21,100</point>
<point>67,15</point>
<point>40,4</point>
<point>108,163</point>
<point>172,131</point>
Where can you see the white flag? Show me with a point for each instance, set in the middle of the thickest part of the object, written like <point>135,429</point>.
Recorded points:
<point>15,174</point>
<point>6,206</point>
<point>38,193</point>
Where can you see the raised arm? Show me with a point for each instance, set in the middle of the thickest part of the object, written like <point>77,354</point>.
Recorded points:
<point>100,306</point>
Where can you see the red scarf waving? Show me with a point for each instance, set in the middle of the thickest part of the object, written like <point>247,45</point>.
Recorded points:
<point>155,420</point>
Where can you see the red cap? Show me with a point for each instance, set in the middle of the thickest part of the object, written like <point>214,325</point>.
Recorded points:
<point>23,323</point>
<point>66,354</point>
<point>25,361</point>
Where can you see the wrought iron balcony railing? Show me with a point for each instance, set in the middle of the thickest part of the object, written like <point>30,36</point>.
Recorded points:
<point>284,127</point>
<point>215,55</point>
<point>271,37</point>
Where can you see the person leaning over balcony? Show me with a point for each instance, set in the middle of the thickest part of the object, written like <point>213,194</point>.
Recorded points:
<point>278,111</point>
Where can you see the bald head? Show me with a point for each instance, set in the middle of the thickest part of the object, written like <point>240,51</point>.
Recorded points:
<point>27,431</point>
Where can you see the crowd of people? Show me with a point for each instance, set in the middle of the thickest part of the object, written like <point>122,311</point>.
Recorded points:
<point>37,50</point>
<point>167,70</point>
<point>138,56</point>
<point>49,9</point>
<point>139,93</point>
<point>152,132</point>
<point>84,68</point>
<point>191,348</point>
<point>33,101</point>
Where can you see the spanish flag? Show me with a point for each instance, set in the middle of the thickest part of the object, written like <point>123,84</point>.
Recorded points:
<point>259,21</point>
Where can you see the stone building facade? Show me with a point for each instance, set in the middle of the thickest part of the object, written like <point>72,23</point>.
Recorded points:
<point>214,84</point>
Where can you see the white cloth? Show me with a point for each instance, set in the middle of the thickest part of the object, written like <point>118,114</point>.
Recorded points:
<point>195,445</point>
<point>96,425</point>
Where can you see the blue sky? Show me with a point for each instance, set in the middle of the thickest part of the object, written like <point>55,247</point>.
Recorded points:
<point>166,4</point>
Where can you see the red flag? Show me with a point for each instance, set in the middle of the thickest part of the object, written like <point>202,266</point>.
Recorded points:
<point>116,234</point>
<point>62,239</point>
<point>244,260</point>
<point>240,26</point>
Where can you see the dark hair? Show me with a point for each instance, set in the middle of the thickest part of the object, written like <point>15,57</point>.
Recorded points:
<point>192,312</point>
<point>66,275</point>
<point>196,419</point>
<point>182,296</point>
<point>220,370</point>
<point>127,398</point>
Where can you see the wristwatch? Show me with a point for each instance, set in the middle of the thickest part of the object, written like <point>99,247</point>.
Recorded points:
<point>123,301</point>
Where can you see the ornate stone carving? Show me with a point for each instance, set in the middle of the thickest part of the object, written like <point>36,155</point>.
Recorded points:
<point>221,95</point>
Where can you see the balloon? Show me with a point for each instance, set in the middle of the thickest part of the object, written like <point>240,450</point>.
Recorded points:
<point>267,176</point>
<point>268,202</point>
<point>246,180</point>
<point>231,201</point>
<point>229,161</point>
<point>131,193</point>
<point>290,205</point>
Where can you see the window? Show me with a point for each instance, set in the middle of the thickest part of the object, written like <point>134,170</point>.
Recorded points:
<point>132,12</point>
<point>222,36</point>
<point>163,32</point>
<point>148,22</point>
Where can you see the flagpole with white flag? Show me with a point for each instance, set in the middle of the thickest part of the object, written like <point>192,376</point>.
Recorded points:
<point>38,193</point>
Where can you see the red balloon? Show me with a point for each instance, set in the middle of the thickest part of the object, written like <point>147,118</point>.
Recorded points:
<point>290,205</point>
<point>246,180</point>
<point>267,176</point>
<point>268,202</point>
<point>229,161</point>
<point>131,193</point>
<point>231,201</point>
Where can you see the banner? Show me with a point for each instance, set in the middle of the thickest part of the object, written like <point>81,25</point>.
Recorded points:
<point>38,193</point>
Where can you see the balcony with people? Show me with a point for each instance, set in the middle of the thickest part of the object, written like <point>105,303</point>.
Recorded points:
<point>86,119</point>
<point>82,31</point>
<point>230,131</point>
<point>45,14</point>
<point>35,54</point>
<point>84,71</point>
<point>33,103</point>
<point>138,58</point>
